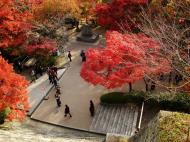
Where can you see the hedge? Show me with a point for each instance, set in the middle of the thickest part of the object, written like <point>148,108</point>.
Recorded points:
<point>165,101</point>
<point>120,97</point>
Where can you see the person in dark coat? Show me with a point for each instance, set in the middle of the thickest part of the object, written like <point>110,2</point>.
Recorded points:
<point>40,70</point>
<point>33,78</point>
<point>91,108</point>
<point>54,74</point>
<point>58,100</point>
<point>54,68</point>
<point>83,56</point>
<point>20,66</point>
<point>58,91</point>
<point>69,56</point>
<point>55,82</point>
<point>36,70</point>
<point>67,111</point>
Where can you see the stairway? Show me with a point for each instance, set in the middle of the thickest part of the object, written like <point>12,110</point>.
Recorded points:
<point>117,119</point>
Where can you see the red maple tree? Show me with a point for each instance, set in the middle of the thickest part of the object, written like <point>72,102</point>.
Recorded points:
<point>119,12</point>
<point>44,47</point>
<point>13,23</point>
<point>13,92</point>
<point>126,58</point>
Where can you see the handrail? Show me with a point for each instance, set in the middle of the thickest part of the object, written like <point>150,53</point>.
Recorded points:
<point>140,119</point>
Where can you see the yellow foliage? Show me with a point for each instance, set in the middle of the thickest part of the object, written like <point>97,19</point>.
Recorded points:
<point>56,8</point>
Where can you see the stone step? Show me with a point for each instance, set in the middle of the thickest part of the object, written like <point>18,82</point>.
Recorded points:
<point>133,118</point>
<point>134,121</point>
<point>102,119</point>
<point>118,119</point>
<point>115,122</point>
<point>99,118</point>
<point>94,121</point>
<point>129,120</point>
<point>107,119</point>
<point>125,120</point>
<point>111,119</point>
<point>126,124</point>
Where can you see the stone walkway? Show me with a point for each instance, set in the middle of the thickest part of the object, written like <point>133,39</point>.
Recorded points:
<point>39,89</point>
<point>76,93</point>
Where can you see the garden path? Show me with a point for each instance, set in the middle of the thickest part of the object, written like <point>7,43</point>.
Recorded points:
<point>76,93</point>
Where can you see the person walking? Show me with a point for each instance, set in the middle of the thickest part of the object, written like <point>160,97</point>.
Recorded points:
<point>58,91</point>
<point>54,68</point>
<point>54,74</point>
<point>20,66</point>
<point>40,70</point>
<point>91,108</point>
<point>49,74</point>
<point>83,56</point>
<point>58,100</point>
<point>69,56</point>
<point>67,111</point>
<point>33,78</point>
<point>55,82</point>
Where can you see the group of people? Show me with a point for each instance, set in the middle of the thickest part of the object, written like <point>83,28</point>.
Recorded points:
<point>67,109</point>
<point>52,74</point>
<point>36,70</point>
<point>82,54</point>
<point>172,78</point>
<point>53,79</point>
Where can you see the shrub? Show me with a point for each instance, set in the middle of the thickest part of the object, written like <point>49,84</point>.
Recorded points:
<point>152,102</point>
<point>134,97</point>
<point>113,98</point>
<point>120,97</point>
<point>174,127</point>
<point>166,101</point>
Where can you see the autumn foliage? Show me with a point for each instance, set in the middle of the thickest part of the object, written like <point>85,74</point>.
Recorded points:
<point>126,58</point>
<point>13,91</point>
<point>47,9</point>
<point>13,23</point>
<point>119,12</point>
<point>44,47</point>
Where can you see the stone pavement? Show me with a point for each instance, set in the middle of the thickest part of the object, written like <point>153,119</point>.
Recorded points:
<point>76,93</point>
<point>39,89</point>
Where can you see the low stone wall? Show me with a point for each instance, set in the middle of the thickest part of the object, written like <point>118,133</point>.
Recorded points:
<point>116,138</point>
<point>34,131</point>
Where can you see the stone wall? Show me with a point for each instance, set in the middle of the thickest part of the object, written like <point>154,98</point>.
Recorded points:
<point>33,131</point>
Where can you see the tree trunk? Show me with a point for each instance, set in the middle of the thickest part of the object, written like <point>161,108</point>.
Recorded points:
<point>130,87</point>
<point>146,84</point>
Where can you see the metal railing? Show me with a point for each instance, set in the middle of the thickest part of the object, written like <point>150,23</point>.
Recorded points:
<point>140,119</point>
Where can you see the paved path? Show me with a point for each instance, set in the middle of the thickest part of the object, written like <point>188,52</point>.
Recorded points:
<point>39,89</point>
<point>76,93</point>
